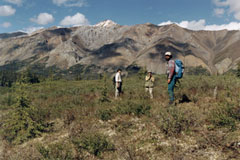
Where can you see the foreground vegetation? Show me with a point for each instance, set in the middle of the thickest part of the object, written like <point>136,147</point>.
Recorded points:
<point>81,120</point>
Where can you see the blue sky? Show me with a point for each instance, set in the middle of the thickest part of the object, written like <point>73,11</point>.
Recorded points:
<point>29,15</point>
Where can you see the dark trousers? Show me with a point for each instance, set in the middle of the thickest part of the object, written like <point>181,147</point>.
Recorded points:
<point>118,89</point>
<point>171,86</point>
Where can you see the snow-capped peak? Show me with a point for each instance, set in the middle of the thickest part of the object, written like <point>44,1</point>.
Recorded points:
<point>107,23</point>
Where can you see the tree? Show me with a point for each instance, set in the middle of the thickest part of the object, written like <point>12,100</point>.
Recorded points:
<point>28,77</point>
<point>199,70</point>
<point>238,70</point>
<point>7,78</point>
<point>23,122</point>
<point>104,96</point>
<point>142,72</point>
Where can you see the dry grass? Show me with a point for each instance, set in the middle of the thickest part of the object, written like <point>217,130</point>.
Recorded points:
<point>204,127</point>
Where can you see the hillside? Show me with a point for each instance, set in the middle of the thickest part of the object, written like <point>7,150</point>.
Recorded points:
<point>10,35</point>
<point>107,46</point>
<point>72,120</point>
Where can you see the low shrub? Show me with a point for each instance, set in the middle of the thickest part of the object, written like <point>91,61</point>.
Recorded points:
<point>22,123</point>
<point>104,91</point>
<point>68,117</point>
<point>173,121</point>
<point>238,70</point>
<point>199,70</point>
<point>105,114</point>
<point>129,107</point>
<point>93,143</point>
<point>58,150</point>
<point>8,100</point>
<point>225,115</point>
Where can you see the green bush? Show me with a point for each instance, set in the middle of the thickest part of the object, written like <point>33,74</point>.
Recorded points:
<point>142,73</point>
<point>28,77</point>
<point>105,114</point>
<point>8,100</point>
<point>225,115</point>
<point>22,123</point>
<point>199,70</point>
<point>238,70</point>
<point>94,143</point>
<point>130,107</point>
<point>104,91</point>
<point>55,151</point>
<point>7,78</point>
<point>173,121</point>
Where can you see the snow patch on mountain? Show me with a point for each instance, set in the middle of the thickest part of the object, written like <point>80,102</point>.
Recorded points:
<point>107,23</point>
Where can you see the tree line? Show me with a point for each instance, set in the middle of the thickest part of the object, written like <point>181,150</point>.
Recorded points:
<point>9,77</point>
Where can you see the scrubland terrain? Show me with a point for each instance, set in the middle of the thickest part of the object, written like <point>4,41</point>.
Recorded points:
<point>59,119</point>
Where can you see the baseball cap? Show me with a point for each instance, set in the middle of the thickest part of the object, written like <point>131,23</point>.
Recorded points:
<point>168,54</point>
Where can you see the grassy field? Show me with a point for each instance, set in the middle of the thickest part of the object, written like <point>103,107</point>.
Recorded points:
<point>82,120</point>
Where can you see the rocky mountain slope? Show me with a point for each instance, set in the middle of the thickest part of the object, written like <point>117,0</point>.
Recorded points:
<point>108,46</point>
<point>9,35</point>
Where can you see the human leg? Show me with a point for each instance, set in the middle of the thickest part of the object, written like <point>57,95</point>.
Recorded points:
<point>151,92</point>
<point>146,89</point>
<point>116,91</point>
<point>171,86</point>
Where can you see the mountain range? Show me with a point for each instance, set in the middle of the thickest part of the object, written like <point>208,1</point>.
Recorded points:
<point>106,46</point>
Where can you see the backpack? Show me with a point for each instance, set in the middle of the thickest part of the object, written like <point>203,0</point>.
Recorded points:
<point>113,80</point>
<point>179,69</point>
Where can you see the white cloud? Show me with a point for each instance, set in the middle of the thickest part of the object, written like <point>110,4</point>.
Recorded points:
<point>166,23</point>
<point>220,3</point>
<point>233,6</point>
<point>219,12</point>
<point>6,24</point>
<point>201,25</point>
<point>77,20</point>
<point>70,3</point>
<point>59,2</point>
<point>193,25</point>
<point>43,19</point>
<point>7,10</point>
<point>17,2</point>
<point>230,26</point>
<point>30,30</point>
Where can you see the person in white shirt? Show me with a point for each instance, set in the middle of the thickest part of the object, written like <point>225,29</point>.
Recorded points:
<point>118,81</point>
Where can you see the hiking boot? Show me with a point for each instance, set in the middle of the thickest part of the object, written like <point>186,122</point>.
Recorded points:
<point>171,103</point>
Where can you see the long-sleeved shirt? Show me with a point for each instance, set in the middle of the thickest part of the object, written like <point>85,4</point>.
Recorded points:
<point>149,81</point>
<point>118,77</point>
<point>170,68</point>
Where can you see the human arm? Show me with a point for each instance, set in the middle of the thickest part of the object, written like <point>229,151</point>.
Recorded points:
<point>169,80</point>
<point>171,68</point>
<point>147,78</point>
<point>152,79</point>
